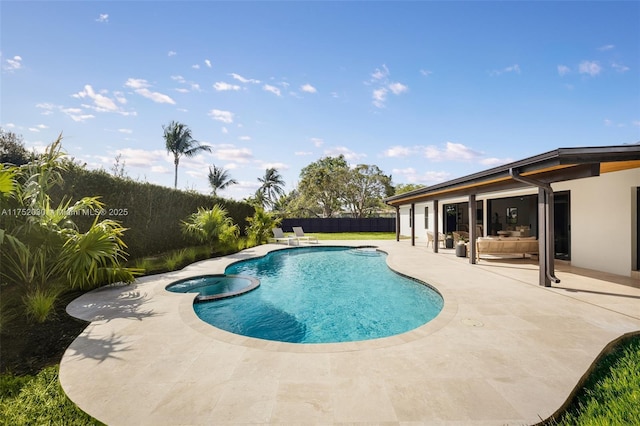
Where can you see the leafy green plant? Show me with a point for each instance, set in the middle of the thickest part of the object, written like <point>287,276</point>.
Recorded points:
<point>43,249</point>
<point>260,226</point>
<point>211,226</point>
<point>39,303</point>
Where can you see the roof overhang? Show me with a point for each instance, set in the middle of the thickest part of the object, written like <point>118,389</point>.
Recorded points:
<point>554,166</point>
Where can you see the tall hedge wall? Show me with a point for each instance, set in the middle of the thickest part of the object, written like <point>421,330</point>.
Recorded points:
<point>152,213</point>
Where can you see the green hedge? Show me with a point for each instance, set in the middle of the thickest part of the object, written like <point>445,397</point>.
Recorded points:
<point>152,213</point>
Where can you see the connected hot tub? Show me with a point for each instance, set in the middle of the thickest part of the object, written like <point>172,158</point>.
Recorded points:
<point>213,287</point>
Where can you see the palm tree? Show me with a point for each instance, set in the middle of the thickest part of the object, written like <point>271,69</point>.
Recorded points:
<point>272,185</point>
<point>178,140</point>
<point>219,179</point>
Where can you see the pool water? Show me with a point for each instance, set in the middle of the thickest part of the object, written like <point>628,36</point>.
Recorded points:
<point>323,295</point>
<point>213,287</point>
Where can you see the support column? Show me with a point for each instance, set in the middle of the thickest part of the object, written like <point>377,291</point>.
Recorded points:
<point>436,215</point>
<point>542,238</point>
<point>472,228</point>
<point>412,220</point>
<point>397,223</point>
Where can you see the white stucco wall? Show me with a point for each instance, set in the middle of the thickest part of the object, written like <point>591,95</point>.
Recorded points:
<point>603,216</point>
<point>602,221</point>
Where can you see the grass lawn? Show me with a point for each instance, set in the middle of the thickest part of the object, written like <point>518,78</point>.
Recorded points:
<point>354,235</point>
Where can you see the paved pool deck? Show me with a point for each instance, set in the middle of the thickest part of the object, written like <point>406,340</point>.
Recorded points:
<point>502,351</point>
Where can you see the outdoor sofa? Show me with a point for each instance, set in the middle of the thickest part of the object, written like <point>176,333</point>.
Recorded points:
<point>506,245</point>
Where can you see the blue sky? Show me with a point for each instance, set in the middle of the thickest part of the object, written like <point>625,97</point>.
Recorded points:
<point>427,91</point>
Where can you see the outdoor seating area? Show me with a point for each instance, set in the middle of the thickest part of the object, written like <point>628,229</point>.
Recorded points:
<point>506,245</point>
<point>295,239</point>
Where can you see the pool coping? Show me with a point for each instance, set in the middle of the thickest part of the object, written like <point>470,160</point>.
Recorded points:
<point>502,351</point>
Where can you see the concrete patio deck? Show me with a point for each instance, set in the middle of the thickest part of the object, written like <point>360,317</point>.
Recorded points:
<point>502,351</point>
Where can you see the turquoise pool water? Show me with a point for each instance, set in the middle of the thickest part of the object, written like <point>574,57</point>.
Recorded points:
<point>323,295</point>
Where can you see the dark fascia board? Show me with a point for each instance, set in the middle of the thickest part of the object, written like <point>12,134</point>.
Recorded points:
<point>557,157</point>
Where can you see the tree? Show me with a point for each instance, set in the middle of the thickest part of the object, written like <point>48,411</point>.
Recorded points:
<point>272,186</point>
<point>178,141</point>
<point>401,188</point>
<point>321,185</point>
<point>12,149</point>
<point>365,187</point>
<point>219,179</point>
<point>211,226</point>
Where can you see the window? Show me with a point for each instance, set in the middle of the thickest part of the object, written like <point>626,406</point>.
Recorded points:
<point>426,218</point>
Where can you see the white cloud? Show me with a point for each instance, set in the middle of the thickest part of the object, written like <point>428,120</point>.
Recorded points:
<point>219,115</point>
<point>34,129</point>
<point>619,67</point>
<point>398,151</point>
<point>101,103</point>
<point>141,87</point>
<point>606,47</point>
<point>411,175</point>
<point>161,169</point>
<point>317,142</point>
<point>592,68</point>
<point>302,153</point>
<point>104,17</point>
<point>397,88</point>
<point>272,89</point>
<point>77,114</point>
<point>207,63</point>
<point>10,125</point>
<point>224,130</point>
<point>380,74</point>
<point>42,126</point>
<point>426,73</point>
<point>229,152</point>
<point>452,151</point>
<point>125,131</point>
<point>563,70</point>
<point>244,80</point>
<point>634,123</point>
<point>349,155</point>
<point>511,68</point>
<point>382,86</point>
<point>178,78</point>
<point>379,97</point>
<point>277,165</point>
<point>195,66</point>
<point>13,64</point>
<point>244,138</point>
<point>308,88</point>
<point>494,162</point>
<point>172,53</point>
<point>142,158</point>
<point>221,86</point>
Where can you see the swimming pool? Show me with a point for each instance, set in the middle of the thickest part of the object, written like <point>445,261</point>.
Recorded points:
<point>323,295</point>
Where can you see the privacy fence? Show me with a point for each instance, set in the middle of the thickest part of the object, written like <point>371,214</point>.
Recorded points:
<point>341,224</point>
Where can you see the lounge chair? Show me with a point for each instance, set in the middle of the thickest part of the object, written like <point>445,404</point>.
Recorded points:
<point>278,236</point>
<point>299,235</point>
<point>431,238</point>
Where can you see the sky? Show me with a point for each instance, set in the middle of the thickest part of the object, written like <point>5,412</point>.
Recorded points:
<point>427,91</point>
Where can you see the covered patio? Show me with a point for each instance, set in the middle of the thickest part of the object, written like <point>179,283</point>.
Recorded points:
<point>540,172</point>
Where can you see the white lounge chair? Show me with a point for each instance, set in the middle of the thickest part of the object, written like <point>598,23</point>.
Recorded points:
<point>278,236</point>
<point>299,235</point>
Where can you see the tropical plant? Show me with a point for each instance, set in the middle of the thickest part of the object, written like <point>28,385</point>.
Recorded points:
<point>179,142</point>
<point>271,186</point>
<point>260,226</point>
<point>211,226</point>
<point>219,179</point>
<point>44,252</point>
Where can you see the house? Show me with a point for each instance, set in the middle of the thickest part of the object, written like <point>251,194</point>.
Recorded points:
<point>582,204</point>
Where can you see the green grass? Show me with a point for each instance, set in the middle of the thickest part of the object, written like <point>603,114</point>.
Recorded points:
<point>611,394</point>
<point>354,235</point>
<point>38,400</point>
